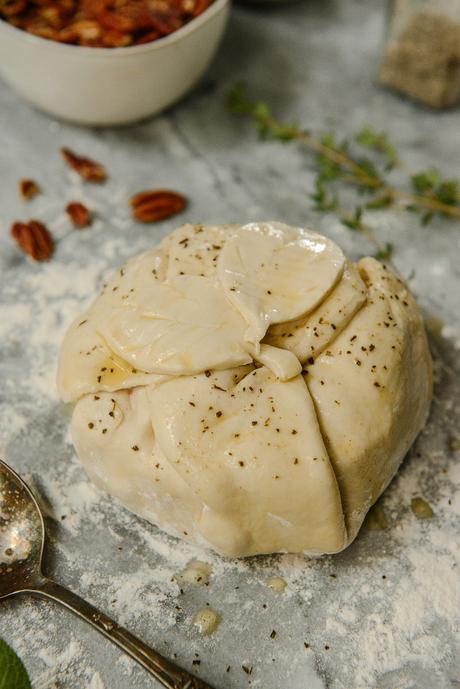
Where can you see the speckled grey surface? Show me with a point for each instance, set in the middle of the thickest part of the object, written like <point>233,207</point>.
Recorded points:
<point>389,618</point>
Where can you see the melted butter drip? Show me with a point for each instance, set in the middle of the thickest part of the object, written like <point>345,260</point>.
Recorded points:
<point>421,508</point>
<point>114,371</point>
<point>376,519</point>
<point>207,620</point>
<point>196,573</point>
<point>277,584</point>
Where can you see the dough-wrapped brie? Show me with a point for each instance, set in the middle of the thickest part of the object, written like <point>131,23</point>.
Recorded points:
<point>247,388</point>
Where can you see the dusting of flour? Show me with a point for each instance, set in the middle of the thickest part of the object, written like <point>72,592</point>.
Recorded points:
<point>368,618</point>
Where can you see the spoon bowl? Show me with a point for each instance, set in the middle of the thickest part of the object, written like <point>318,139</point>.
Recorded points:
<point>22,538</point>
<point>22,535</point>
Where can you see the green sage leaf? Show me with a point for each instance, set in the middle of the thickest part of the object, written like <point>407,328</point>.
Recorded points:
<point>13,674</point>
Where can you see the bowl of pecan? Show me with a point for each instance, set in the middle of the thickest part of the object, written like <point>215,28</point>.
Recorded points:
<point>107,62</point>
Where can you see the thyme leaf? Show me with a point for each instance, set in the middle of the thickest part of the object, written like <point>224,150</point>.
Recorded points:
<point>353,222</point>
<point>378,141</point>
<point>336,162</point>
<point>386,253</point>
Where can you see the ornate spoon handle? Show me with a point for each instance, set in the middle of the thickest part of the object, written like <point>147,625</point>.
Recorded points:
<point>165,671</point>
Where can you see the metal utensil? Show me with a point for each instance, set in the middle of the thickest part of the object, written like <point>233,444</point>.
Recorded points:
<point>22,536</point>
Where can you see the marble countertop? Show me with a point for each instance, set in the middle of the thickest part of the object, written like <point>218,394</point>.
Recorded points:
<point>384,614</point>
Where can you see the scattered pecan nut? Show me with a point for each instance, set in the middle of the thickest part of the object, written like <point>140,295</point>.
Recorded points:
<point>88,169</point>
<point>34,239</point>
<point>79,214</point>
<point>155,205</point>
<point>28,188</point>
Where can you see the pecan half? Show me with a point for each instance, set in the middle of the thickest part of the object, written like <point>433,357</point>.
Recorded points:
<point>9,8</point>
<point>79,214</point>
<point>116,39</point>
<point>155,205</point>
<point>34,239</point>
<point>78,31</point>
<point>88,169</point>
<point>28,188</point>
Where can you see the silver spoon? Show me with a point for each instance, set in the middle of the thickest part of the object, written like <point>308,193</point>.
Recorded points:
<point>22,537</point>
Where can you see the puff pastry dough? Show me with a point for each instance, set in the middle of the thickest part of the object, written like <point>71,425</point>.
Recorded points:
<point>248,388</point>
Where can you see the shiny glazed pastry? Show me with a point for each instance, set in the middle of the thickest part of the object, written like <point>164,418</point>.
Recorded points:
<point>248,388</point>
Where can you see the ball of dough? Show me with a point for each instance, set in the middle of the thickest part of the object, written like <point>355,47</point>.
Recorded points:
<point>248,388</point>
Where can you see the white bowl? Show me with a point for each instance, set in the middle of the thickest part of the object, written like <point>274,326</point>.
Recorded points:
<point>107,86</point>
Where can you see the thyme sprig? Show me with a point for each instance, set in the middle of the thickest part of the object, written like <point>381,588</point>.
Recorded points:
<point>364,162</point>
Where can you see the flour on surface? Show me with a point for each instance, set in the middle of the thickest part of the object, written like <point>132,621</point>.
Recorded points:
<point>384,613</point>
<point>394,594</point>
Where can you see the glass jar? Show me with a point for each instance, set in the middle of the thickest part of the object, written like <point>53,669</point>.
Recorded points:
<point>422,52</point>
